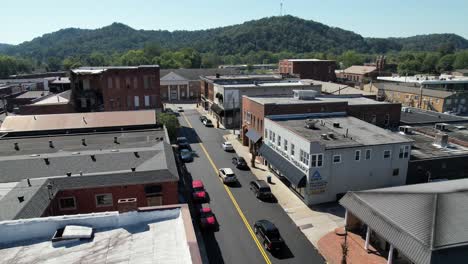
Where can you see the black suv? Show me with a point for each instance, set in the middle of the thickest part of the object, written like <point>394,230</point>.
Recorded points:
<point>183,143</point>
<point>269,233</point>
<point>261,189</point>
<point>240,163</point>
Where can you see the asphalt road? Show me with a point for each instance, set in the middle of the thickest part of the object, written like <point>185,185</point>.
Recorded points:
<point>233,242</point>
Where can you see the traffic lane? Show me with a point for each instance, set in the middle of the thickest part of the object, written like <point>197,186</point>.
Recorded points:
<point>232,243</point>
<point>301,250</point>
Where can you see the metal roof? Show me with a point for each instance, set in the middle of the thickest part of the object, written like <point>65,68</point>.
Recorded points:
<point>417,219</point>
<point>414,90</point>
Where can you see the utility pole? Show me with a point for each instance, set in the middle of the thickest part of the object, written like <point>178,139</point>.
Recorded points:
<point>281,8</point>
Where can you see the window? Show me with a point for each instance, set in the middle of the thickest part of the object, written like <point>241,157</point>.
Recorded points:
<point>448,101</point>
<point>67,203</point>
<point>279,141</point>
<point>266,133</point>
<point>396,172</point>
<point>357,155</point>
<point>86,85</point>
<point>146,82</point>
<point>271,135</point>
<point>368,154</point>
<point>128,82</point>
<point>129,102</point>
<point>292,150</point>
<point>104,200</point>
<point>109,82</point>
<point>304,157</point>
<point>285,145</point>
<point>135,83</point>
<point>387,120</point>
<point>317,160</point>
<point>404,152</point>
<point>387,154</point>
<point>336,158</point>
<point>117,83</point>
<point>274,137</point>
<point>136,100</point>
<point>147,100</point>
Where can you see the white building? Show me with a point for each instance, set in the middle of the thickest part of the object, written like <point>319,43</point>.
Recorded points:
<point>325,155</point>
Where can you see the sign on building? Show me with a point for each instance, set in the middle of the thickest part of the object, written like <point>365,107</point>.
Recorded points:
<point>317,184</point>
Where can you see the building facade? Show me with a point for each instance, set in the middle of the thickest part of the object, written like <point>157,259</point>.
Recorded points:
<point>115,88</point>
<point>321,70</point>
<point>323,156</point>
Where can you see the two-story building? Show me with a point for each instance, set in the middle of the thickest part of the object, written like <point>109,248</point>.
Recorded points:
<point>322,70</point>
<point>324,155</point>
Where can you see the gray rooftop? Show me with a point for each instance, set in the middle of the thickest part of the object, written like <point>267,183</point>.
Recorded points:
<point>194,74</point>
<point>419,117</point>
<point>424,148</point>
<point>32,95</point>
<point>407,88</point>
<point>287,100</point>
<point>417,219</point>
<point>360,133</point>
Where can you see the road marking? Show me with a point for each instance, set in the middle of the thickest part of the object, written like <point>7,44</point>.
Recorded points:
<point>233,200</point>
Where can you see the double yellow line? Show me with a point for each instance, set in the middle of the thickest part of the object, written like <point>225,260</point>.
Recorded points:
<point>234,201</point>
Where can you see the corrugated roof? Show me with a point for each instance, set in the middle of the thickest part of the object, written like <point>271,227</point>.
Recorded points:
<point>78,121</point>
<point>416,219</point>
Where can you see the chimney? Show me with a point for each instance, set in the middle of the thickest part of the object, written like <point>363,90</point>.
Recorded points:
<point>16,146</point>
<point>51,144</point>
<point>127,205</point>
<point>441,139</point>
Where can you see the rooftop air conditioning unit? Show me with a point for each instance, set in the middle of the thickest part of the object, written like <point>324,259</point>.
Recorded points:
<point>405,129</point>
<point>305,94</point>
<point>310,123</point>
<point>440,126</point>
<point>324,136</point>
<point>441,140</point>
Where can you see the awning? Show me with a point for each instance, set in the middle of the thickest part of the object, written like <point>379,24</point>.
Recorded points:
<point>217,109</point>
<point>291,172</point>
<point>253,135</point>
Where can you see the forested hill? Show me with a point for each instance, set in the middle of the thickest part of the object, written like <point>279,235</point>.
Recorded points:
<point>275,34</point>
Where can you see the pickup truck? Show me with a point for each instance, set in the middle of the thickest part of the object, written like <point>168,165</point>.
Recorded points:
<point>272,240</point>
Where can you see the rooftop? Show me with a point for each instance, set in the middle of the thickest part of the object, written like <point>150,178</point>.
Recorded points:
<point>78,121</point>
<point>32,95</point>
<point>417,116</point>
<point>351,132</point>
<point>425,79</point>
<point>417,219</point>
<point>268,84</point>
<point>151,235</point>
<point>101,69</point>
<point>358,69</point>
<point>405,88</point>
<point>424,148</point>
<point>302,60</point>
<point>194,74</point>
<point>243,77</point>
<point>287,100</point>
<point>61,98</point>
<point>339,89</point>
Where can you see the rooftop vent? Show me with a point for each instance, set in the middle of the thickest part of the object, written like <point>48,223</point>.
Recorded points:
<point>83,141</point>
<point>336,124</point>
<point>116,140</point>
<point>29,182</point>
<point>21,199</point>
<point>136,154</point>
<point>440,126</point>
<point>133,169</point>
<point>405,130</point>
<point>331,135</point>
<point>93,158</point>
<point>16,146</point>
<point>47,161</point>
<point>324,136</point>
<point>441,140</point>
<point>51,144</point>
<point>68,174</point>
<point>218,75</point>
<point>304,94</point>
<point>310,123</point>
<point>73,232</point>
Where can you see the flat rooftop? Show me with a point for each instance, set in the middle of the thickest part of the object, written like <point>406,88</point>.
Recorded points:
<point>78,121</point>
<point>338,89</point>
<point>32,95</point>
<point>424,148</point>
<point>359,133</point>
<point>417,116</point>
<point>98,70</point>
<point>287,100</point>
<point>304,60</point>
<point>243,77</point>
<point>61,98</point>
<point>425,79</point>
<point>160,235</point>
<point>268,84</point>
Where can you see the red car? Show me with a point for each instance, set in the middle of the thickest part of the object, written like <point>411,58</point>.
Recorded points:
<point>207,218</point>
<point>199,194</point>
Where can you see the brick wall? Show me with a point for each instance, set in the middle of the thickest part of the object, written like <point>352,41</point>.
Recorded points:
<point>46,109</point>
<point>86,198</point>
<point>317,70</point>
<point>377,114</point>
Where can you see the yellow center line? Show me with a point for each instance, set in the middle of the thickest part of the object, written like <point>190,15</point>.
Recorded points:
<point>234,201</point>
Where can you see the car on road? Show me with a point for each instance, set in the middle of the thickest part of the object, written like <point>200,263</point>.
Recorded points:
<point>180,109</point>
<point>203,118</point>
<point>261,189</point>
<point>227,175</point>
<point>207,122</point>
<point>186,155</point>
<point>240,163</point>
<point>183,143</point>
<point>227,146</point>
<point>270,234</point>
<point>207,218</point>
<point>199,194</point>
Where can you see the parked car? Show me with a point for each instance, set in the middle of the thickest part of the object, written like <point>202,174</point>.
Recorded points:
<point>227,175</point>
<point>207,122</point>
<point>183,143</point>
<point>227,146</point>
<point>261,189</point>
<point>270,234</point>
<point>186,155</point>
<point>240,163</point>
<point>207,218</point>
<point>180,109</point>
<point>199,194</point>
<point>203,118</point>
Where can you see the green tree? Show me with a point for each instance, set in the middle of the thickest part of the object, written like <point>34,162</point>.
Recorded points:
<point>461,60</point>
<point>71,63</point>
<point>134,58</point>
<point>97,59</point>
<point>445,63</point>
<point>171,122</point>
<point>152,50</point>
<point>430,62</point>
<point>409,67</point>
<point>54,64</point>
<point>350,58</point>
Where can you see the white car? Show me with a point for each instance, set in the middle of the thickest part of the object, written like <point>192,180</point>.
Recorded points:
<point>227,146</point>
<point>227,175</point>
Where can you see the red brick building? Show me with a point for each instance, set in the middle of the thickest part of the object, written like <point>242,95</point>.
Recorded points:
<point>115,88</point>
<point>254,110</point>
<point>321,70</point>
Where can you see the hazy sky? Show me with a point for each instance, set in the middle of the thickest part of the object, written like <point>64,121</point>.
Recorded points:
<point>22,20</point>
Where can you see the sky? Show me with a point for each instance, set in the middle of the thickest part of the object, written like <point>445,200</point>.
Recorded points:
<point>23,20</point>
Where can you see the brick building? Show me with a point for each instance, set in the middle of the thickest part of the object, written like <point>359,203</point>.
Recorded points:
<point>115,88</point>
<point>51,104</point>
<point>256,108</point>
<point>83,163</point>
<point>321,70</point>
